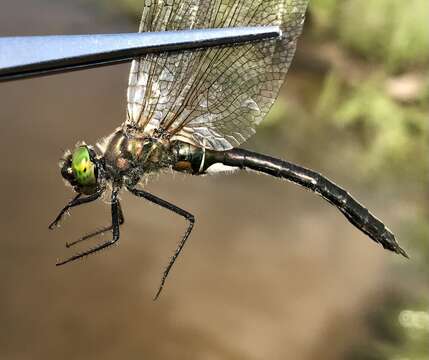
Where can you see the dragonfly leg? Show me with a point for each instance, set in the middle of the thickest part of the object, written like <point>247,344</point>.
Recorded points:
<point>188,216</point>
<point>99,231</point>
<point>115,230</point>
<point>76,201</point>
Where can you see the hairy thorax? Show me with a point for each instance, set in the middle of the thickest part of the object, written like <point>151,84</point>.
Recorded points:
<point>129,156</point>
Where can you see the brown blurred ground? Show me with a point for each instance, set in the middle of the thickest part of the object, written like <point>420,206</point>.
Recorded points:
<point>270,272</point>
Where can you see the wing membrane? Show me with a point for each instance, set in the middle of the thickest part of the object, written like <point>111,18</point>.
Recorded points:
<point>212,97</point>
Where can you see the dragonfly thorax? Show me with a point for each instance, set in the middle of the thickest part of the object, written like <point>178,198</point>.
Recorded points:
<point>127,156</point>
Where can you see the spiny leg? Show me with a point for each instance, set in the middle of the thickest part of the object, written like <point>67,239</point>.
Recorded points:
<point>76,201</point>
<point>99,231</point>
<point>115,227</point>
<point>188,216</point>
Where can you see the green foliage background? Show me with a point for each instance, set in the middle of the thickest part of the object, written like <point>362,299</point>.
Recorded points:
<point>389,39</point>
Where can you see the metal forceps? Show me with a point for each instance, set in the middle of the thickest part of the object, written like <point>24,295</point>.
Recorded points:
<point>28,56</point>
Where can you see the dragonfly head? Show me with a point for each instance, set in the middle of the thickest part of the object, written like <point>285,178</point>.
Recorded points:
<point>81,169</point>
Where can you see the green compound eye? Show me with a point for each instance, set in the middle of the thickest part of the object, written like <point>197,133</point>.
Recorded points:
<point>83,168</point>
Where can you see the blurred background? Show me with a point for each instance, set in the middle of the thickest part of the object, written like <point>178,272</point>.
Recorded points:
<point>271,271</point>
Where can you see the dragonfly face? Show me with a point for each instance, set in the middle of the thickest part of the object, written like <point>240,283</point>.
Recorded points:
<point>81,169</point>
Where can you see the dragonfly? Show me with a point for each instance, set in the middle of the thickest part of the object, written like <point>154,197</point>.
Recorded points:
<point>189,111</point>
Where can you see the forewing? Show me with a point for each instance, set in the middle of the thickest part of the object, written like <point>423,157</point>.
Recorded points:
<point>212,97</point>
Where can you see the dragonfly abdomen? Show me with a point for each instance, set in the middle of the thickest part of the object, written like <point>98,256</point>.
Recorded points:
<point>198,161</point>
<point>357,214</point>
<point>187,158</point>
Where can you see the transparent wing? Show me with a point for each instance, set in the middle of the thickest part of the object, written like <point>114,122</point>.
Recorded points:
<point>212,97</point>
